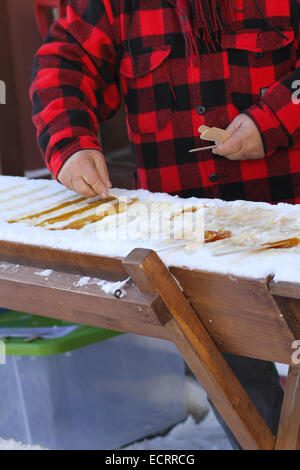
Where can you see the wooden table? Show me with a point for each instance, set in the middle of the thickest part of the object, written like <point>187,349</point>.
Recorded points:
<point>203,314</point>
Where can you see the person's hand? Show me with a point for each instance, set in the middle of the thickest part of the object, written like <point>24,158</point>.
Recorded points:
<point>246,142</point>
<point>86,173</point>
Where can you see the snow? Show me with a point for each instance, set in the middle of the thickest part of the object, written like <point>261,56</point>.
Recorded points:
<point>45,273</point>
<point>189,435</point>
<point>207,435</point>
<point>252,225</point>
<point>106,286</point>
<point>112,287</point>
<point>83,281</point>
<point>13,445</point>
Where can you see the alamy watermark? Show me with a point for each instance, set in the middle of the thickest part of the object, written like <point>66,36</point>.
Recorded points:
<point>2,92</point>
<point>123,220</point>
<point>296,94</point>
<point>2,353</point>
<point>296,353</point>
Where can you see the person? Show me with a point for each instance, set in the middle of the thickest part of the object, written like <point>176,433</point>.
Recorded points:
<point>232,64</point>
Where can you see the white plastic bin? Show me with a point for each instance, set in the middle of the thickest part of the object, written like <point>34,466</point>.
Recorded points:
<point>103,396</point>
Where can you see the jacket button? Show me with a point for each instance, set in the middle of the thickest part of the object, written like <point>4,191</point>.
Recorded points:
<point>259,55</point>
<point>213,178</point>
<point>201,109</point>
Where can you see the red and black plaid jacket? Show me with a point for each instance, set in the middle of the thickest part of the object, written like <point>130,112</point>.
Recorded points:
<point>104,46</point>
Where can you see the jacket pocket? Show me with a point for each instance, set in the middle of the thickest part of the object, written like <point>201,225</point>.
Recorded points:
<point>257,59</point>
<point>257,41</point>
<point>146,85</point>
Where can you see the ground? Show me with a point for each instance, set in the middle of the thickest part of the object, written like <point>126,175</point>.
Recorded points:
<point>200,430</point>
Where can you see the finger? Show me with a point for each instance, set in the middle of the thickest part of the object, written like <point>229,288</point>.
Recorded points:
<point>235,156</point>
<point>91,176</point>
<point>102,169</point>
<point>231,146</point>
<point>81,187</point>
<point>235,125</point>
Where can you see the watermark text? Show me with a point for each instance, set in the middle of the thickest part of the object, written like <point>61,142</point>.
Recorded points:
<point>2,353</point>
<point>296,353</point>
<point>156,221</point>
<point>296,94</point>
<point>2,92</point>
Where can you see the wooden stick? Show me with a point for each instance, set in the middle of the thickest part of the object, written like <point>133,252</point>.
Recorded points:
<point>213,134</point>
<point>203,148</point>
<point>281,244</point>
<point>113,193</point>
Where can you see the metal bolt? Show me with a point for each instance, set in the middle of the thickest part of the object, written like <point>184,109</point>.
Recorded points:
<point>118,293</point>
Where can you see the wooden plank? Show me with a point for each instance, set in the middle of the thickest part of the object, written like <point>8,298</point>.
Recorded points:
<point>285,289</point>
<point>288,437</point>
<point>290,309</point>
<point>97,265</point>
<point>62,296</point>
<point>259,331</point>
<point>200,351</point>
<point>62,260</point>
<point>239,313</point>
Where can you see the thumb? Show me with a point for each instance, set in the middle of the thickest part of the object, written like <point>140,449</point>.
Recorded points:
<point>234,143</point>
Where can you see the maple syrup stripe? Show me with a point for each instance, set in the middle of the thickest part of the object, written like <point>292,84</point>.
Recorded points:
<point>68,215</point>
<point>93,218</point>
<point>37,215</point>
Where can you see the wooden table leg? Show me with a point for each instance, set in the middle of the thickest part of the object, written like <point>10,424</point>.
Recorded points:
<point>200,352</point>
<point>288,437</point>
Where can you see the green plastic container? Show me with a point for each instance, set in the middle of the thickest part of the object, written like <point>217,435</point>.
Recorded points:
<point>82,336</point>
<point>101,396</point>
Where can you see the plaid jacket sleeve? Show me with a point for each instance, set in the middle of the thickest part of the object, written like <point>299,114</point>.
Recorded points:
<point>75,82</point>
<point>277,113</point>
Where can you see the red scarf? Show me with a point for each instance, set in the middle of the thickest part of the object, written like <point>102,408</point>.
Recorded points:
<point>210,18</point>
